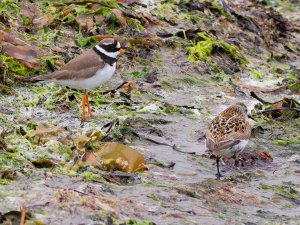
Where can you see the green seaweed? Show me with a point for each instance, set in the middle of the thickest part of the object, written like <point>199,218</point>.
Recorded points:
<point>167,8</point>
<point>256,74</point>
<point>82,42</point>
<point>135,74</point>
<point>285,142</point>
<point>134,222</point>
<point>192,80</point>
<point>287,191</point>
<point>4,181</point>
<point>11,64</point>
<point>89,176</point>
<point>135,24</point>
<point>202,50</point>
<point>8,6</point>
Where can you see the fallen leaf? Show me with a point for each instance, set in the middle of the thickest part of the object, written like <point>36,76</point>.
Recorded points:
<point>29,10</point>
<point>43,21</point>
<point>150,18</point>
<point>4,36</point>
<point>25,54</point>
<point>99,19</point>
<point>85,21</point>
<point>120,16</point>
<point>129,2</point>
<point>68,10</point>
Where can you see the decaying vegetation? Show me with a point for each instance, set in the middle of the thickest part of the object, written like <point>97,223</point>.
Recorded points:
<point>141,160</point>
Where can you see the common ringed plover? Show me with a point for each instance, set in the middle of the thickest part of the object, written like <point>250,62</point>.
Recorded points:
<point>88,70</point>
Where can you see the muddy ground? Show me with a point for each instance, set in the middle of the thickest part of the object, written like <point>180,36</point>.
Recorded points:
<point>178,90</point>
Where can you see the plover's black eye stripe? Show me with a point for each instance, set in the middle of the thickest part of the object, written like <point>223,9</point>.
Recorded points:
<point>111,47</point>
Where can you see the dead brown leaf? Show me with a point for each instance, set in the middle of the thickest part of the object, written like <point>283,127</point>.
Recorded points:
<point>68,10</point>
<point>120,16</point>
<point>150,18</point>
<point>43,21</point>
<point>29,10</point>
<point>5,36</point>
<point>128,2</point>
<point>85,21</point>
<point>99,19</point>
<point>25,54</point>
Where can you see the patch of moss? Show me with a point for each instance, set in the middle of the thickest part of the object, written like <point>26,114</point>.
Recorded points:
<point>9,6</point>
<point>111,19</point>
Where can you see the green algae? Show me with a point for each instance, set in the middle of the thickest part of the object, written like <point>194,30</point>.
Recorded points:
<point>287,190</point>
<point>256,74</point>
<point>82,42</point>
<point>134,222</point>
<point>89,176</point>
<point>4,181</point>
<point>166,9</point>
<point>202,50</point>
<point>135,24</point>
<point>13,161</point>
<point>135,74</point>
<point>192,80</point>
<point>18,143</point>
<point>11,64</point>
<point>286,142</point>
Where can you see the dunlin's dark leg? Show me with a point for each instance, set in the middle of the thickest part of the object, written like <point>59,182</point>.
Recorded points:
<point>218,169</point>
<point>236,160</point>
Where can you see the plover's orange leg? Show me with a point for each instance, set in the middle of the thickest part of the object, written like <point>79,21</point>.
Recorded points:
<point>88,105</point>
<point>83,117</point>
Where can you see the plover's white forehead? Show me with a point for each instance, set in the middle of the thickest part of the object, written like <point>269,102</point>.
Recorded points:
<point>109,43</point>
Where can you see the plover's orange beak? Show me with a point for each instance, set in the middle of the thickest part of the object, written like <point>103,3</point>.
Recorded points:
<point>122,51</point>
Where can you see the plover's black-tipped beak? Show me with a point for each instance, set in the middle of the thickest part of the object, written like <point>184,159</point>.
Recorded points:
<point>122,51</point>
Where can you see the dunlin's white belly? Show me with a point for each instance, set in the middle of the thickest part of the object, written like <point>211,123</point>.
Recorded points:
<point>95,81</point>
<point>236,149</point>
